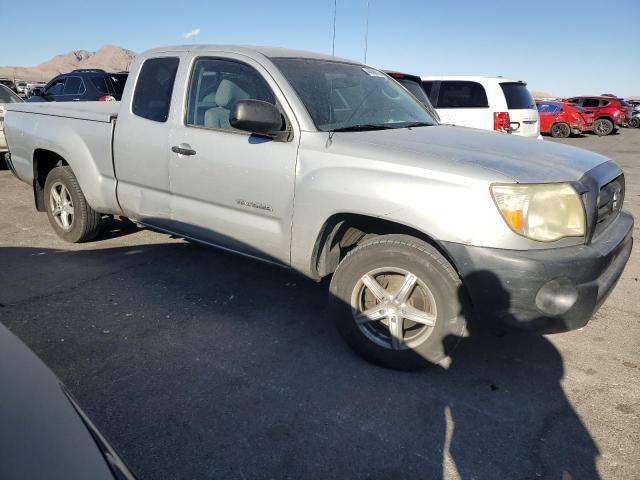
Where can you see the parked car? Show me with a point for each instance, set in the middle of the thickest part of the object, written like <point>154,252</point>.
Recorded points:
<point>560,119</point>
<point>635,119</point>
<point>413,83</point>
<point>31,86</point>
<point>44,432</point>
<point>488,103</point>
<point>85,85</point>
<point>608,112</point>
<point>7,82</point>
<point>21,88</point>
<point>7,96</point>
<point>418,224</point>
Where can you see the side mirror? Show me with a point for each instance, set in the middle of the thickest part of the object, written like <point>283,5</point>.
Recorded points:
<point>37,92</point>
<point>256,116</point>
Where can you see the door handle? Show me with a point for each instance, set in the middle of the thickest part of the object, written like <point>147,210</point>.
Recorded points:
<point>183,149</point>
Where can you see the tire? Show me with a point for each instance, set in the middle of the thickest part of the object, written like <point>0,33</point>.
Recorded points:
<point>560,130</point>
<point>69,214</point>
<point>634,122</point>
<point>436,297</point>
<point>603,127</point>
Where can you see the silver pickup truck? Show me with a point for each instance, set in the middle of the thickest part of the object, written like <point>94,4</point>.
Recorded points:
<point>331,168</point>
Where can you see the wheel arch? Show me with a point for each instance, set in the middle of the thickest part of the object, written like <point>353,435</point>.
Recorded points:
<point>44,160</point>
<point>341,232</point>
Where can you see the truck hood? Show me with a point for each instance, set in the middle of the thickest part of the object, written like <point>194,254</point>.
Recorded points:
<point>523,160</point>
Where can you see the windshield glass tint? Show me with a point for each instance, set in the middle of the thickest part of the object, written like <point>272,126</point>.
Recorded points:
<point>518,96</point>
<point>7,96</point>
<point>344,95</point>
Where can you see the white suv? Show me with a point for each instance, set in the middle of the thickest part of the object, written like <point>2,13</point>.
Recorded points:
<point>488,103</point>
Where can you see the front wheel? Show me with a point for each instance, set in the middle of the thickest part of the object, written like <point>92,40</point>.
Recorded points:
<point>69,214</point>
<point>560,130</point>
<point>603,127</point>
<point>398,302</point>
<point>634,122</point>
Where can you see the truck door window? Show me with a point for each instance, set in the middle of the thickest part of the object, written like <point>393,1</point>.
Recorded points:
<point>152,96</point>
<point>216,85</point>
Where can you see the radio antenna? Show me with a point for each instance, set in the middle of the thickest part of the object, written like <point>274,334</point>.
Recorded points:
<point>366,33</point>
<point>333,43</point>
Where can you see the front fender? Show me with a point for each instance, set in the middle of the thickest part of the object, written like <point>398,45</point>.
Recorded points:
<point>443,206</point>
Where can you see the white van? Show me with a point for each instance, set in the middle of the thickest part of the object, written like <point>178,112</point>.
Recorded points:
<point>488,103</point>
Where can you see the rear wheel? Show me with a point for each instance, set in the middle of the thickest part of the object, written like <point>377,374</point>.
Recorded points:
<point>634,122</point>
<point>603,127</point>
<point>398,302</point>
<point>560,130</point>
<point>69,214</point>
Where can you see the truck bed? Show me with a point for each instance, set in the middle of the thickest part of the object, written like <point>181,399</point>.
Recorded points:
<point>79,133</point>
<point>92,111</point>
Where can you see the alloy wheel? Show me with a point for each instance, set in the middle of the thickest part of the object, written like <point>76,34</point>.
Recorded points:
<point>394,308</point>
<point>61,205</point>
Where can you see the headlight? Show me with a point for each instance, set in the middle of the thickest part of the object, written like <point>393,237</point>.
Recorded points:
<point>542,212</point>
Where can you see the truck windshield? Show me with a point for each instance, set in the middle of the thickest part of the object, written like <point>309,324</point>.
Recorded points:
<point>346,96</point>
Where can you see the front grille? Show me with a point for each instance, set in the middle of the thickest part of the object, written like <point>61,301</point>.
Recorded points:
<point>610,200</point>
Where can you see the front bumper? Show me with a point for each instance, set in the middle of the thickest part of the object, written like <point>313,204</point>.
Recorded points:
<point>549,290</point>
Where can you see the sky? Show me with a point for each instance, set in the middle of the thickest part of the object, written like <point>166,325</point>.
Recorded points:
<point>564,48</point>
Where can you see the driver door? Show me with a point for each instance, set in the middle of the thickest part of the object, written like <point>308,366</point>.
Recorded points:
<point>228,187</point>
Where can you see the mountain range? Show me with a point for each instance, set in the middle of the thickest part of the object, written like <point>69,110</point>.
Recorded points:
<point>108,57</point>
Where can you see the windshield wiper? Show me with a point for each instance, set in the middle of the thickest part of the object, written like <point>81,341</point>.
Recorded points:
<point>415,124</point>
<point>362,127</point>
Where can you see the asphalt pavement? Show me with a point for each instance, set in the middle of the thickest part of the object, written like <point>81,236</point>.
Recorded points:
<point>200,364</point>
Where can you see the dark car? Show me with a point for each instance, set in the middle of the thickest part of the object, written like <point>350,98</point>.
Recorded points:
<point>82,86</point>
<point>608,112</point>
<point>44,433</point>
<point>413,83</point>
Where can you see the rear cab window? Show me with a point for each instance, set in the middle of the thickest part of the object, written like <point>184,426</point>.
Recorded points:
<point>462,94</point>
<point>517,96</point>
<point>152,95</point>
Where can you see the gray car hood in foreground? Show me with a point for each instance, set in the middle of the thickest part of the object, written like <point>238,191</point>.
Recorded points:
<point>524,160</point>
<point>41,434</point>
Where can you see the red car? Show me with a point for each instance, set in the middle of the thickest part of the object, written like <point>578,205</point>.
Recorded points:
<point>561,119</point>
<point>608,112</point>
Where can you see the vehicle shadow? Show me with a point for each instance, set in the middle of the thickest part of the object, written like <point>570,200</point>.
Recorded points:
<point>202,364</point>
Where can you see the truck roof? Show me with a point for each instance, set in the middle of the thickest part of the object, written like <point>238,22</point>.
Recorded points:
<point>249,50</point>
